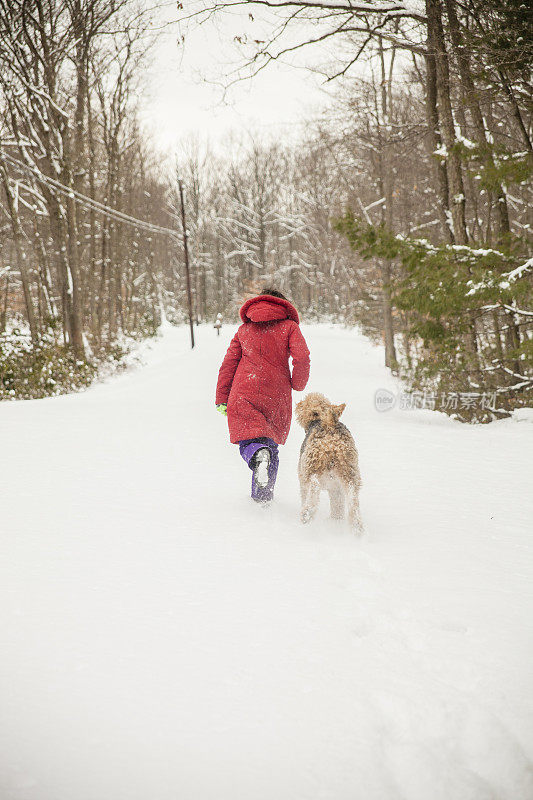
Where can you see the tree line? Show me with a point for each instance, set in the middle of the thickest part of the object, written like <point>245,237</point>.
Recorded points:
<point>405,208</point>
<point>74,169</point>
<point>423,164</point>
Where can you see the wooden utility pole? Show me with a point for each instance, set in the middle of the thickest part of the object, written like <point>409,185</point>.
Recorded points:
<point>186,253</point>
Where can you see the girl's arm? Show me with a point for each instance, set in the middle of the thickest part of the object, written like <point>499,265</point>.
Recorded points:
<point>300,359</point>
<point>227,370</point>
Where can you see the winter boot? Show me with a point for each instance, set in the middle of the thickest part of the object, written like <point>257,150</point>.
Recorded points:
<point>261,467</point>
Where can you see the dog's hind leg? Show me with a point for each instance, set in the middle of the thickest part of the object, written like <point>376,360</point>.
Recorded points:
<point>310,499</point>
<point>336,501</point>
<point>354,513</point>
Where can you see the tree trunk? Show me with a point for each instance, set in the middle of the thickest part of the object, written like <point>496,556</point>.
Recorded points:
<point>92,282</point>
<point>74,304</point>
<point>471,101</point>
<point>3,313</point>
<point>20,253</point>
<point>71,317</point>
<point>516,111</point>
<point>388,326</point>
<point>434,143</point>
<point>436,45</point>
<point>42,260</point>
<point>387,183</point>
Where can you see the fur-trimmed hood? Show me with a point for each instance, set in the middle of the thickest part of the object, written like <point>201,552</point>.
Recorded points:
<point>267,308</point>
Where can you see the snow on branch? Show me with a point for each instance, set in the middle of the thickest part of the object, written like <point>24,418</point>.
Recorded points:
<point>516,273</point>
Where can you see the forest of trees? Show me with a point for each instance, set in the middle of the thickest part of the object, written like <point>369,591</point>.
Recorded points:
<point>70,148</point>
<point>405,209</point>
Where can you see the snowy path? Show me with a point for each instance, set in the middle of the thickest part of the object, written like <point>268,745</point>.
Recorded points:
<point>163,639</point>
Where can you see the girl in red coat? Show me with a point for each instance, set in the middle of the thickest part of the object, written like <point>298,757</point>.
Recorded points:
<point>255,382</point>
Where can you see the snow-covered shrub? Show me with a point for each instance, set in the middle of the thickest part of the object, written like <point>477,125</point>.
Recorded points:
<point>41,370</point>
<point>48,368</point>
<point>147,327</point>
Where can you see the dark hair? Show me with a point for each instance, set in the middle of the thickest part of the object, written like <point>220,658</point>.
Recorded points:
<point>273,293</point>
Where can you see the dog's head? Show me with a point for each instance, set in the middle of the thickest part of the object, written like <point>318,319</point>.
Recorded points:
<point>317,407</point>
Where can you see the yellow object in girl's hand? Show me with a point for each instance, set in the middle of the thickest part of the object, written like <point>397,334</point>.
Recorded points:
<point>223,408</point>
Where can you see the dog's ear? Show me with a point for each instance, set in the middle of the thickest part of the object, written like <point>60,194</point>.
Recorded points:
<point>300,407</point>
<point>337,410</point>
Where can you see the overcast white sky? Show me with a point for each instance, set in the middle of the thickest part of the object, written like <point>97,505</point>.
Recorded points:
<point>182,96</point>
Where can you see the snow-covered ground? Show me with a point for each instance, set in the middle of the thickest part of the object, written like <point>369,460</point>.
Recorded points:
<point>162,638</point>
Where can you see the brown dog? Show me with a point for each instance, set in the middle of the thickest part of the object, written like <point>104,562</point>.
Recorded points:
<point>328,460</point>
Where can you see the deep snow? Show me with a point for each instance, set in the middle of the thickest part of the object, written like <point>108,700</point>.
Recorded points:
<point>164,639</point>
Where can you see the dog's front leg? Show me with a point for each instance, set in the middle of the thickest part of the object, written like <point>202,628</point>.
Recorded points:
<point>310,498</point>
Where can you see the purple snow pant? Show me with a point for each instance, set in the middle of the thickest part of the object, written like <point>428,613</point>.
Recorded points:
<point>248,448</point>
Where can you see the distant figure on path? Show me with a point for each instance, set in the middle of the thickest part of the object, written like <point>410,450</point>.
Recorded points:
<point>254,387</point>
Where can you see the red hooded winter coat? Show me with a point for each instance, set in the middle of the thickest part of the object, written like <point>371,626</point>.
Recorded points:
<point>255,379</point>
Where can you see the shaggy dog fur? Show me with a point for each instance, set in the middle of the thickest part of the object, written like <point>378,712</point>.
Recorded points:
<point>328,460</point>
